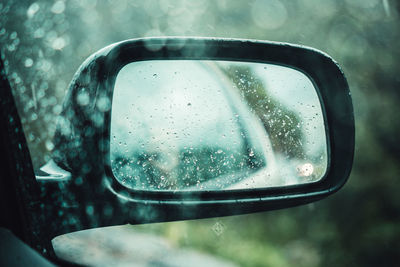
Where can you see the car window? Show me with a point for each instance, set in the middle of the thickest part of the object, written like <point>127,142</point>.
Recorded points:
<point>44,42</point>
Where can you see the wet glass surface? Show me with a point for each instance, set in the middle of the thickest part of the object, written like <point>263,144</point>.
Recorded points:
<point>215,125</point>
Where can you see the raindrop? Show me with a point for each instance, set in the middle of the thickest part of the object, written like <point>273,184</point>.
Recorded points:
<point>251,153</point>
<point>103,104</point>
<point>58,43</point>
<point>82,98</point>
<point>34,117</point>
<point>39,33</point>
<point>32,10</point>
<point>270,14</point>
<point>49,145</point>
<point>28,62</point>
<point>13,35</point>
<point>218,228</point>
<point>58,7</point>
<point>89,210</point>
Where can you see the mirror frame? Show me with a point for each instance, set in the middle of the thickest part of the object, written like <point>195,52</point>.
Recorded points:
<point>97,75</point>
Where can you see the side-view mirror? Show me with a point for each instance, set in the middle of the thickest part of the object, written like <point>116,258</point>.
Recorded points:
<point>164,129</point>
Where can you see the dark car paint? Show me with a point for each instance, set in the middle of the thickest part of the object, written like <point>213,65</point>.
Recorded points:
<point>21,235</point>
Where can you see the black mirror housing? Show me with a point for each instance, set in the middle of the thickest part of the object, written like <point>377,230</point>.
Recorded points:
<point>82,137</point>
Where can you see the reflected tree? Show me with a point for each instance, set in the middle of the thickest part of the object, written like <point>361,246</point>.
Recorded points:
<point>283,125</point>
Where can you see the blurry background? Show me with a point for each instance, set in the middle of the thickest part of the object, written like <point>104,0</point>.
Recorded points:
<point>44,42</point>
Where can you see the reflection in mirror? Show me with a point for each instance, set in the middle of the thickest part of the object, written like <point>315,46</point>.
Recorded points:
<point>215,125</point>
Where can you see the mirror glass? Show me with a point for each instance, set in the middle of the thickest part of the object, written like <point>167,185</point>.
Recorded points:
<point>215,125</point>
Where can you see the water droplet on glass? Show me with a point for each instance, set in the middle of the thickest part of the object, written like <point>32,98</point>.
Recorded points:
<point>251,153</point>
<point>49,145</point>
<point>218,228</point>
<point>58,7</point>
<point>28,62</point>
<point>32,10</point>
<point>82,98</point>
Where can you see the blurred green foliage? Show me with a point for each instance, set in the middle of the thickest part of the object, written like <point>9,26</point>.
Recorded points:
<point>199,167</point>
<point>281,123</point>
<point>44,42</point>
